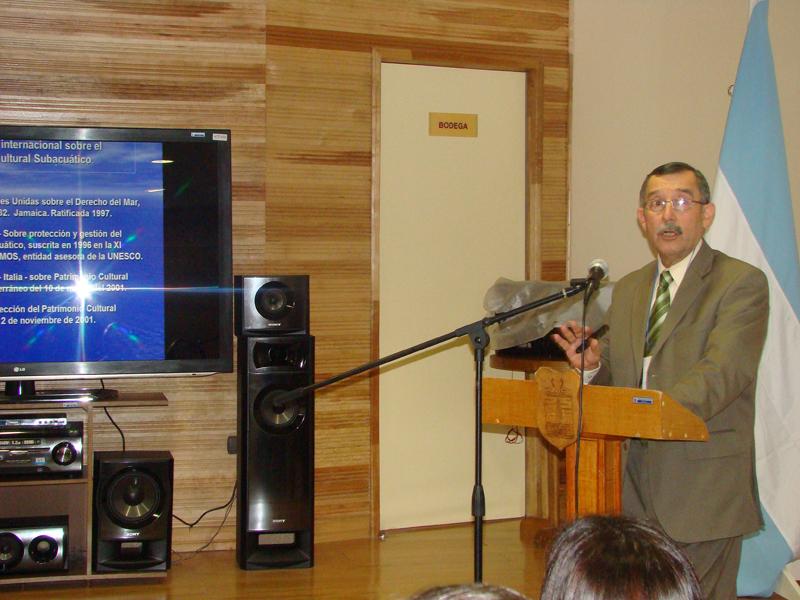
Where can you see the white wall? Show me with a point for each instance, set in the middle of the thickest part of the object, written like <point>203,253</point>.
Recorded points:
<point>650,85</point>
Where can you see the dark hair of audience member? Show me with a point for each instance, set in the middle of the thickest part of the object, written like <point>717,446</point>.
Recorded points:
<point>469,591</point>
<point>617,558</point>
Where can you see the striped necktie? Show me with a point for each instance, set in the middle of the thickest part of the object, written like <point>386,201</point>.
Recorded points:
<point>658,313</point>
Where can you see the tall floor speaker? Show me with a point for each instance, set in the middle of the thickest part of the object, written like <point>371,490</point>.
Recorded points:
<point>275,463</point>
<point>132,511</point>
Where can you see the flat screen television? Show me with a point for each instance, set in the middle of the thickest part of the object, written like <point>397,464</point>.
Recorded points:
<point>115,255</point>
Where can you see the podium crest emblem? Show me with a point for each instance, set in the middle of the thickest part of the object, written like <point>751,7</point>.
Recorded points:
<point>557,409</point>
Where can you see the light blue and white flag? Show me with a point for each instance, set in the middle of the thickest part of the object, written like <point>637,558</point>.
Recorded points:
<point>754,222</point>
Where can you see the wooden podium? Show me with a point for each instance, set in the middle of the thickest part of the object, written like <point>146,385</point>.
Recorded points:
<point>548,402</point>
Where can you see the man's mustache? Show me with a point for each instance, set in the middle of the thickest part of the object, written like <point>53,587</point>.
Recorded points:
<point>670,228</point>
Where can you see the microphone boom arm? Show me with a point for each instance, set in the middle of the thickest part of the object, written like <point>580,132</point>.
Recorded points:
<point>479,340</point>
<point>473,330</point>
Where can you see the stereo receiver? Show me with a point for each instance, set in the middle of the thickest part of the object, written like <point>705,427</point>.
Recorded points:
<point>41,449</point>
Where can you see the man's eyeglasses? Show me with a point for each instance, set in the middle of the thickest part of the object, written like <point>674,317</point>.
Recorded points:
<point>681,204</point>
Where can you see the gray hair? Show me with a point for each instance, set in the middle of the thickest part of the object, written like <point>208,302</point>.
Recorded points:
<point>677,167</point>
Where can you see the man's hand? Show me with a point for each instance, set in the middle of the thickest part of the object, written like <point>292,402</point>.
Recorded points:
<point>570,338</point>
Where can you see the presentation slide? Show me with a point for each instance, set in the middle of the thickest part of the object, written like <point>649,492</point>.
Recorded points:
<point>81,251</point>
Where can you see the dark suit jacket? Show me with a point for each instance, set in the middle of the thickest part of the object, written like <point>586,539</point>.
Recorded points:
<point>706,358</point>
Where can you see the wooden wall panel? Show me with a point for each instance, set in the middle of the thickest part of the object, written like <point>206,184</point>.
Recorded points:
<point>292,79</point>
<point>319,222</point>
<point>532,23</point>
<point>189,63</point>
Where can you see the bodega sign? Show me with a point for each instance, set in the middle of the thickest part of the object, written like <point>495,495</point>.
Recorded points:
<point>453,124</point>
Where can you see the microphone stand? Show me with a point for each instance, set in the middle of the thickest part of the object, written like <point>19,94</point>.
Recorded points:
<point>479,340</point>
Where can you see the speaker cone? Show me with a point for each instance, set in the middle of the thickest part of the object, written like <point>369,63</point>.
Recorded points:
<point>43,549</point>
<point>11,551</point>
<point>133,498</point>
<point>274,300</point>
<point>274,414</point>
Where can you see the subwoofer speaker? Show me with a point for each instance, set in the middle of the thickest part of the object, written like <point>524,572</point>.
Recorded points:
<point>275,506</point>
<point>132,510</point>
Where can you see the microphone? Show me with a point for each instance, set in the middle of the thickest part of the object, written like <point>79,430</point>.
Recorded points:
<point>598,270</point>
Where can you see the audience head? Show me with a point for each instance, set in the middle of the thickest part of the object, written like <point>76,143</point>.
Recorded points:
<point>617,558</point>
<point>469,591</point>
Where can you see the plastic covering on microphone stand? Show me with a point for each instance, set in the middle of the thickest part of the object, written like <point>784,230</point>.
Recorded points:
<point>536,323</point>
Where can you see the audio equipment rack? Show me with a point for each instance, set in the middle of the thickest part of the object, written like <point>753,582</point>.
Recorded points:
<point>30,497</point>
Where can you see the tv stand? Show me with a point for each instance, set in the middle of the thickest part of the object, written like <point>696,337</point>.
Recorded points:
<point>38,497</point>
<point>18,392</point>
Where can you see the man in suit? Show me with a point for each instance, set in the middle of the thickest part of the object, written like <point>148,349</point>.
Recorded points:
<point>696,334</point>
